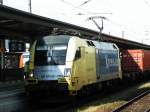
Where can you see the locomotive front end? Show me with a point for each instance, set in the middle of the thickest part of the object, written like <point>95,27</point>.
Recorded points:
<point>49,61</point>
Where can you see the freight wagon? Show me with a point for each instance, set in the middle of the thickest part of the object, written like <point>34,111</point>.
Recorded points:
<point>135,62</point>
<point>71,64</point>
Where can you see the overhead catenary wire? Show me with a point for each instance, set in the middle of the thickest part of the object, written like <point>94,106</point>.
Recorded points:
<point>74,7</point>
<point>119,25</point>
<point>129,31</point>
<point>85,11</point>
<point>84,14</point>
<point>88,13</point>
<point>85,2</point>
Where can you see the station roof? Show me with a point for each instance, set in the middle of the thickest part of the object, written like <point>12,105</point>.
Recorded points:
<point>17,24</point>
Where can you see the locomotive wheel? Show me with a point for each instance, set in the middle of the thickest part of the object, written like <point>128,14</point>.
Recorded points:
<point>85,91</point>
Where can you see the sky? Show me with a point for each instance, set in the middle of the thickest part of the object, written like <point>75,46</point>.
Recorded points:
<point>128,19</point>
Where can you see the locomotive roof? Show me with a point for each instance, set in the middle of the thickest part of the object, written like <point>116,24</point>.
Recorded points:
<point>105,45</point>
<point>56,39</point>
<point>64,39</point>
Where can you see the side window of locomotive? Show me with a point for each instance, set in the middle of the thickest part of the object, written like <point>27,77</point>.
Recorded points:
<point>90,43</point>
<point>114,46</point>
<point>78,53</point>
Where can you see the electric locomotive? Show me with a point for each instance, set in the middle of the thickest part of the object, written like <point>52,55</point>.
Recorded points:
<point>67,64</point>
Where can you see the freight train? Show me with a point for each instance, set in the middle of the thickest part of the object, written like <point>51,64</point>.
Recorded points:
<point>72,65</point>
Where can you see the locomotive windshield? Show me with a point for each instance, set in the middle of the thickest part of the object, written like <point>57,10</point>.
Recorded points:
<point>51,50</point>
<point>53,55</point>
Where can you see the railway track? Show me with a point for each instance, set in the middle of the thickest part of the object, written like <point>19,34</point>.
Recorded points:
<point>56,104</point>
<point>75,103</point>
<point>141,103</point>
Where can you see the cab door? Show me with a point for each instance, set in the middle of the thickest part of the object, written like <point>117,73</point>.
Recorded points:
<point>90,65</point>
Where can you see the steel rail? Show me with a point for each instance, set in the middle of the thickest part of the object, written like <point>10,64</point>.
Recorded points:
<point>148,110</point>
<point>132,101</point>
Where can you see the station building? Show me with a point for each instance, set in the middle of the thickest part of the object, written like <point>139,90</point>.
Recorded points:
<point>18,29</point>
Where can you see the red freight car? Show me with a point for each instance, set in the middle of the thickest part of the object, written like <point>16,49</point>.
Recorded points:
<point>135,61</point>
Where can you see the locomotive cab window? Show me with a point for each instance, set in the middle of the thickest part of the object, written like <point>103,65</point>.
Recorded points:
<point>90,43</point>
<point>53,55</point>
<point>115,47</point>
<point>78,53</point>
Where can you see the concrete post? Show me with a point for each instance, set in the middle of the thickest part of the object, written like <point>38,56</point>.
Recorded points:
<point>1,2</point>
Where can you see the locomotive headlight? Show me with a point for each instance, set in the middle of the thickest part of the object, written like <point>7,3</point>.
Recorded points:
<point>67,71</point>
<point>31,74</point>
